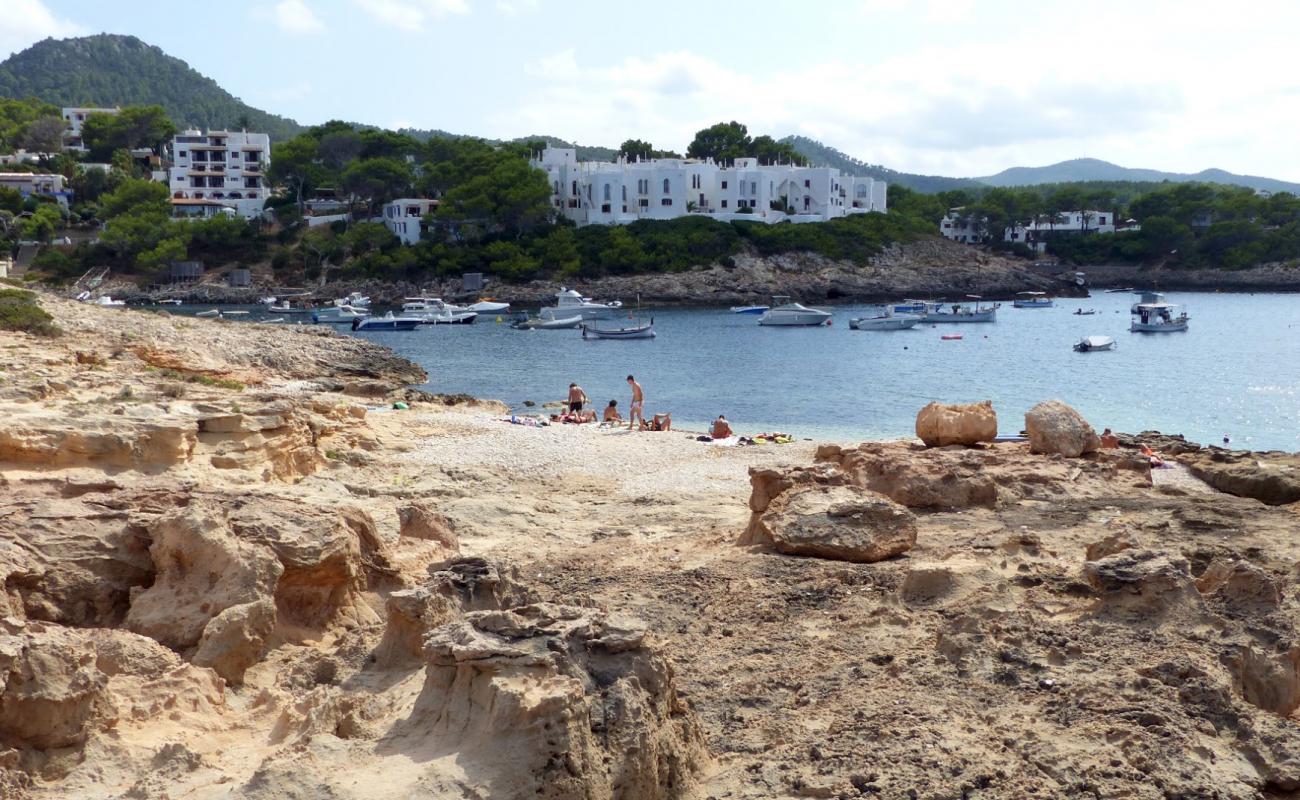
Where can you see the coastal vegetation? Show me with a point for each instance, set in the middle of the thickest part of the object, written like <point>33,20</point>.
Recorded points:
<point>19,311</point>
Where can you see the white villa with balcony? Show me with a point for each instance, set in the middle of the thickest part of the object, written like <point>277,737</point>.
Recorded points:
<point>222,167</point>
<point>73,120</point>
<point>623,191</point>
<point>405,217</point>
<point>962,227</point>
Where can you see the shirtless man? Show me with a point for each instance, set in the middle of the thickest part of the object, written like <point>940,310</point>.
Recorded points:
<point>576,398</point>
<point>638,404</point>
<point>721,428</point>
<point>611,412</point>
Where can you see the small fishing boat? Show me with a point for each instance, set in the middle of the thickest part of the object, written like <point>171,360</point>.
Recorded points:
<point>911,307</point>
<point>1032,300</point>
<point>234,313</point>
<point>749,309</point>
<point>1090,343</point>
<point>886,320</point>
<point>283,307</point>
<point>211,312</point>
<point>951,337</point>
<point>539,324</point>
<point>1079,312</point>
<point>961,312</point>
<point>388,322</point>
<point>631,331</point>
<point>1158,318</point>
<point>786,313</point>
<point>337,315</point>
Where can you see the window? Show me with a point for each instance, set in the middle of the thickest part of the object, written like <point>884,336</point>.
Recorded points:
<point>625,197</point>
<point>643,186</point>
<point>606,196</point>
<point>701,204</point>
<point>667,201</point>
<point>753,188</point>
<point>666,189</point>
<point>807,201</point>
<point>644,203</point>
<point>182,154</point>
<point>724,184</point>
<point>604,209</point>
<point>1101,220</point>
<point>724,203</point>
<point>575,189</point>
<point>555,187</point>
<point>807,184</point>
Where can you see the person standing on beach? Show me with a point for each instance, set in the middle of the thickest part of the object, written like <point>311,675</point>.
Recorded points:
<point>638,404</point>
<point>576,398</point>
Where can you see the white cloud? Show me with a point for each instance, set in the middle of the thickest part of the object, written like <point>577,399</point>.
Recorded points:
<point>513,8</point>
<point>411,15</point>
<point>29,21</point>
<point>296,17</point>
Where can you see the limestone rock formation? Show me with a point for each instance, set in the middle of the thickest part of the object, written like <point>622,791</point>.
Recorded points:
<point>941,424</point>
<point>1055,428</point>
<point>1145,583</point>
<point>202,570</point>
<point>235,639</point>
<point>50,689</point>
<point>596,706</point>
<point>420,521</point>
<point>844,523</point>
<point>1271,478</point>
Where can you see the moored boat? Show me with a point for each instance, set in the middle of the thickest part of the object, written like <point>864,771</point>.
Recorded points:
<point>539,324</point>
<point>961,312</point>
<point>211,312</point>
<point>787,314</point>
<point>1032,300</point>
<point>569,302</point>
<point>488,307</point>
<point>1158,318</point>
<point>749,309</point>
<point>1089,344</point>
<point>911,307</point>
<point>886,320</point>
<point>388,322</point>
<point>632,331</point>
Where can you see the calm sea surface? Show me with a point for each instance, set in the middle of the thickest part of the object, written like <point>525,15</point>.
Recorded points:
<point>1236,372</point>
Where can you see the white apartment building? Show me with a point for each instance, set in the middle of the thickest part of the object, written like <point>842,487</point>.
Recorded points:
<point>620,192</point>
<point>959,226</point>
<point>404,217</point>
<point>962,227</point>
<point>224,166</point>
<point>31,183</point>
<point>73,119</point>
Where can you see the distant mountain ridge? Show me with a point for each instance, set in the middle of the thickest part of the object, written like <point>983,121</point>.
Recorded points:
<point>1094,169</point>
<point>114,70</point>
<point>111,70</point>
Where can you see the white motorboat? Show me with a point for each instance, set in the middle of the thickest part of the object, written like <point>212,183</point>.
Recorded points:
<point>785,313</point>
<point>451,318</point>
<point>539,324</point>
<point>435,310</point>
<point>283,307</point>
<point>489,307</point>
<point>631,331</point>
<point>749,309</point>
<point>237,313</point>
<point>174,301</point>
<point>961,312</point>
<point>268,301</point>
<point>1032,300</point>
<point>1158,318</point>
<point>1090,343</point>
<point>338,315</point>
<point>105,300</point>
<point>273,321</point>
<point>886,320</point>
<point>569,302</point>
<point>355,299</point>
<point>211,312</point>
<point>388,322</point>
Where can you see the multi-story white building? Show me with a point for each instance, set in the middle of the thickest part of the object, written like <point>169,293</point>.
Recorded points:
<point>73,119</point>
<point>623,191</point>
<point>404,217</point>
<point>32,183</point>
<point>960,226</point>
<point>226,166</point>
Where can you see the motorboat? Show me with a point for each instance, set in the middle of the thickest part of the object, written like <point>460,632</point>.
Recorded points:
<point>951,337</point>
<point>1125,290</point>
<point>211,312</point>
<point>633,330</point>
<point>961,312</point>
<point>273,321</point>
<point>749,309</point>
<point>451,318</point>
<point>337,315</point>
<point>173,301</point>
<point>785,313</point>
<point>1032,300</point>
<point>436,311</point>
<point>1158,318</point>
<point>911,307</point>
<point>268,300</point>
<point>1090,343</point>
<point>1079,312</point>
<point>283,307</point>
<point>106,301</point>
<point>489,307</point>
<point>539,324</point>
<point>388,322</point>
<point>239,313</point>
<point>355,299</point>
<point>569,302</point>
<point>887,320</point>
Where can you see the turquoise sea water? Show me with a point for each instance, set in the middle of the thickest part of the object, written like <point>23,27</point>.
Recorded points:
<point>1236,372</point>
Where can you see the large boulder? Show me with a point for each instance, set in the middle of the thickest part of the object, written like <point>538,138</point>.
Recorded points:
<point>940,424</point>
<point>50,689</point>
<point>844,523</point>
<point>1055,428</point>
<point>236,638</point>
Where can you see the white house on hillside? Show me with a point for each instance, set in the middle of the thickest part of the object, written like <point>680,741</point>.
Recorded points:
<point>223,166</point>
<point>404,217</point>
<point>623,191</point>
<point>31,183</point>
<point>73,119</point>
<point>959,226</point>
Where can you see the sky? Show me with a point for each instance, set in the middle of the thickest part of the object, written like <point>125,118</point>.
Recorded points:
<point>948,87</point>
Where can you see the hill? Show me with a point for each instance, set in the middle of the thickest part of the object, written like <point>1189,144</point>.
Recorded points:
<point>1093,169</point>
<point>112,70</point>
<point>822,155</point>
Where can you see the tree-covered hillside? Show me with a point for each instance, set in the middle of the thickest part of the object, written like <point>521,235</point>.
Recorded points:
<point>821,155</point>
<point>1093,169</point>
<point>111,70</point>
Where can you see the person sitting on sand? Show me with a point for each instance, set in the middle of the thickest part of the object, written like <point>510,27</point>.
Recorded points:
<point>660,422</point>
<point>611,412</point>
<point>721,428</point>
<point>1109,441</point>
